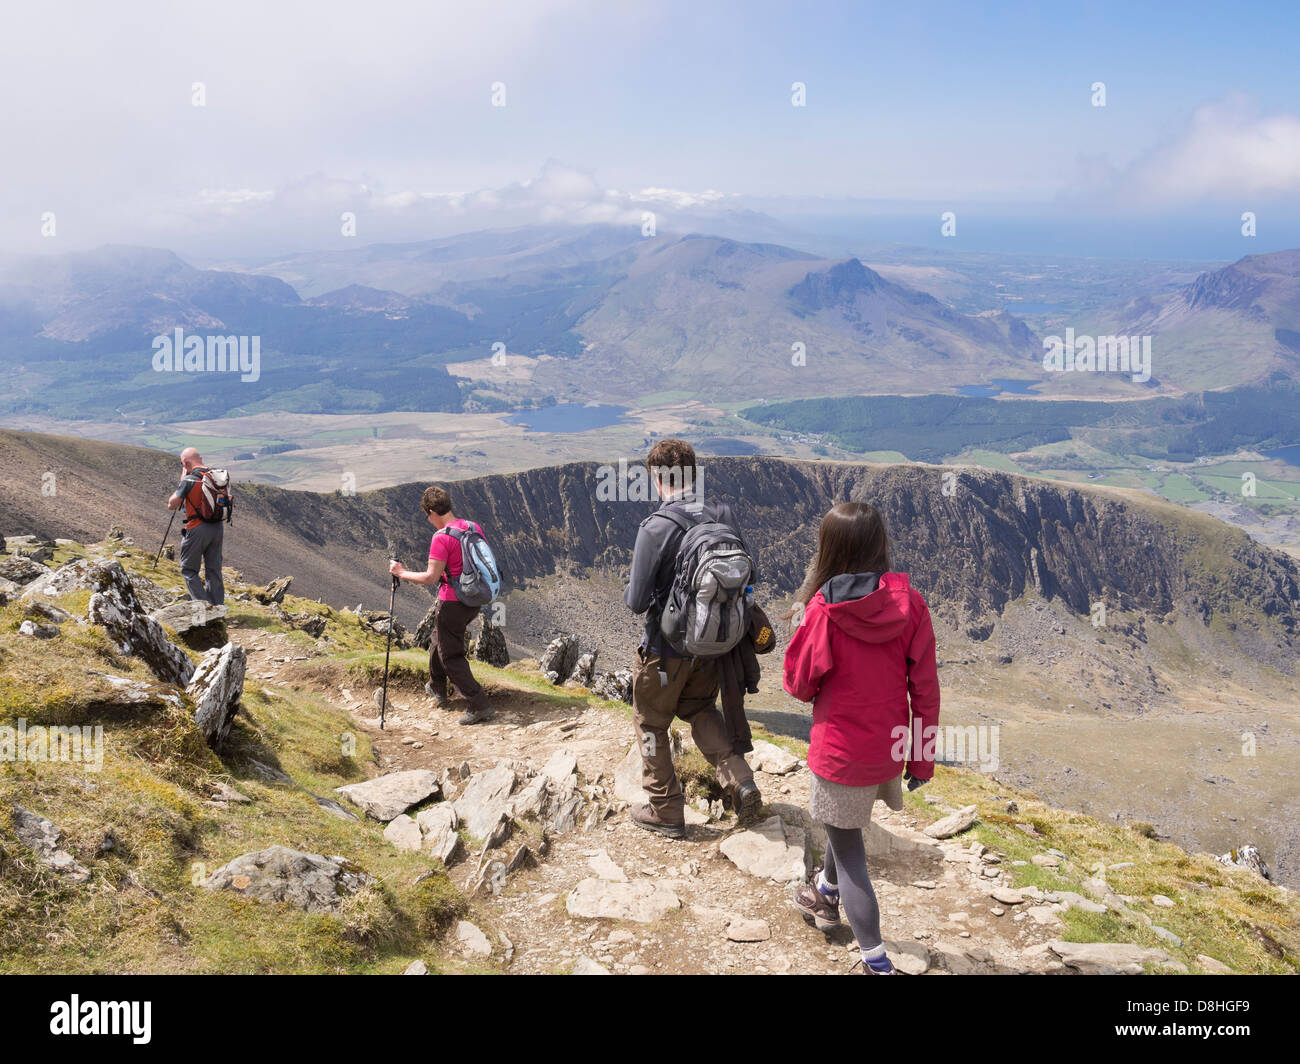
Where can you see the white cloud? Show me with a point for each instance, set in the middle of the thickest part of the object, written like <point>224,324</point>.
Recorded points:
<point>1227,151</point>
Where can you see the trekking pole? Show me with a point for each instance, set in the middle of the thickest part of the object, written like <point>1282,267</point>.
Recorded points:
<point>164,540</point>
<point>392,600</point>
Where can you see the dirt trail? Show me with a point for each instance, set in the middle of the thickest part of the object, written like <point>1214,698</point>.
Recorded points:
<point>949,923</point>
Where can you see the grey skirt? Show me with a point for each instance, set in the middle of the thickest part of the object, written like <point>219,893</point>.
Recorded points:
<point>842,806</point>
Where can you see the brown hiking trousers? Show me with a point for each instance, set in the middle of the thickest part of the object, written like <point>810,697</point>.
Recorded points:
<point>687,689</point>
<point>447,659</point>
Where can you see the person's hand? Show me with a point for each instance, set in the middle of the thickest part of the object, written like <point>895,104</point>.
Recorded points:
<point>396,569</point>
<point>912,782</point>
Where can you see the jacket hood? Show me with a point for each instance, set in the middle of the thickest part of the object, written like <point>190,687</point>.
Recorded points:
<point>871,607</point>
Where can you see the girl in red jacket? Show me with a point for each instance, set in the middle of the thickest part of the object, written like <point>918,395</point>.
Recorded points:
<point>863,650</point>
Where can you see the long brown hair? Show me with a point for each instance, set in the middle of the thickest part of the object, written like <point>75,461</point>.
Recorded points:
<point>852,539</point>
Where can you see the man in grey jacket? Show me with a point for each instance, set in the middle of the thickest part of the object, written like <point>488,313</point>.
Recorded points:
<point>666,685</point>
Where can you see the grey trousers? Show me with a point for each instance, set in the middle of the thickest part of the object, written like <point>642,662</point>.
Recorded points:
<point>202,544</point>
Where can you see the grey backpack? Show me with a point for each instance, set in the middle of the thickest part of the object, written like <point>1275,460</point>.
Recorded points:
<point>707,609</point>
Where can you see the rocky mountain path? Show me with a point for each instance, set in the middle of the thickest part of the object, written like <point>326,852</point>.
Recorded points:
<point>606,896</point>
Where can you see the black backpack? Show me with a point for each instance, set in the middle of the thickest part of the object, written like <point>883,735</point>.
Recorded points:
<point>706,612</point>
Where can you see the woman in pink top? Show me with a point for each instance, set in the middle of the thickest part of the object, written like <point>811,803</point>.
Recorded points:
<point>447,660</point>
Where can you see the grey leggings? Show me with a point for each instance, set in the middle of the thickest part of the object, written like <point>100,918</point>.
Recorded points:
<point>846,868</point>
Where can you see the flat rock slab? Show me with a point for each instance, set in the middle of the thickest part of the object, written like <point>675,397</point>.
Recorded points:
<point>388,797</point>
<point>304,880</point>
<point>1107,958</point>
<point>562,765</point>
<point>770,758</point>
<point>953,823</point>
<point>182,617</point>
<point>586,966</point>
<point>471,941</point>
<point>644,901</point>
<point>910,958</point>
<point>627,778</point>
<point>606,869</point>
<point>772,850</point>
<point>741,929</point>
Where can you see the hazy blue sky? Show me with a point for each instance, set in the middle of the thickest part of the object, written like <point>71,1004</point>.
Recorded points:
<point>385,109</point>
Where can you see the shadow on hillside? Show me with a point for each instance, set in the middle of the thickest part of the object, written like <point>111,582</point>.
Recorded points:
<point>782,722</point>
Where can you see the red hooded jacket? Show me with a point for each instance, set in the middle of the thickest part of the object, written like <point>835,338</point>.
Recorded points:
<point>864,647</point>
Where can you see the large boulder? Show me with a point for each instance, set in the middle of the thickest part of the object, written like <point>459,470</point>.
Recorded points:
<point>490,647</point>
<point>304,880</point>
<point>613,686</point>
<point>1246,857</point>
<point>424,630</point>
<point>21,570</point>
<point>559,658</point>
<point>216,688</point>
<point>584,669</point>
<point>387,797</point>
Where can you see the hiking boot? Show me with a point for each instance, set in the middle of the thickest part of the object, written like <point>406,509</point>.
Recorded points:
<point>747,801</point>
<point>440,699</point>
<point>476,716</point>
<point>879,967</point>
<point>818,909</point>
<point>644,816</point>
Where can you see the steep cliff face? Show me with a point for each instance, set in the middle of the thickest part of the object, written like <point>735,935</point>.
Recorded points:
<point>972,540</point>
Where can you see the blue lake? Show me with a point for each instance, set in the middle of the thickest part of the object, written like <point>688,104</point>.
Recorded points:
<point>568,417</point>
<point>1290,455</point>
<point>999,385</point>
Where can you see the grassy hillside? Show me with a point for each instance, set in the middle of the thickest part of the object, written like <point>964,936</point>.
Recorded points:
<point>142,909</point>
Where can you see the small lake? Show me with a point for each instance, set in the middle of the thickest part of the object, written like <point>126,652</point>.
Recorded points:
<point>568,417</point>
<point>724,446</point>
<point>999,385</point>
<point>1290,455</point>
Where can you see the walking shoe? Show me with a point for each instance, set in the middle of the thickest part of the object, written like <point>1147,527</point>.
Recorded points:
<point>820,910</point>
<point>644,816</point>
<point>747,800</point>
<point>440,699</point>
<point>877,967</point>
<point>474,716</point>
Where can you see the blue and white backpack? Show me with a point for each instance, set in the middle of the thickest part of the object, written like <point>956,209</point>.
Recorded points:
<point>480,580</point>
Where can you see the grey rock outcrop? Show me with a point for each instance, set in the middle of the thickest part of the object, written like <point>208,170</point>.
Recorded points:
<point>559,658</point>
<point>613,686</point>
<point>306,881</point>
<point>115,607</point>
<point>45,841</point>
<point>216,688</point>
<point>490,647</point>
